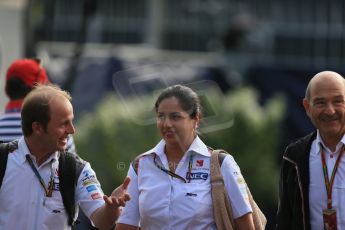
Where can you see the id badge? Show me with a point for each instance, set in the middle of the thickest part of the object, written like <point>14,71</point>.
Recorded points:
<point>330,219</point>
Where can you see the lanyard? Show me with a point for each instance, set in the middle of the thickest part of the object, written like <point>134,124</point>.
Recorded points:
<point>329,183</point>
<point>190,165</point>
<point>47,189</point>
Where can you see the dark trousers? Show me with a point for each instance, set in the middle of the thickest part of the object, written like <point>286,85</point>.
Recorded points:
<point>84,222</point>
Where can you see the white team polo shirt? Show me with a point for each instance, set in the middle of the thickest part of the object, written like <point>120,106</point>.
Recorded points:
<point>160,201</point>
<point>23,204</point>
<point>317,188</point>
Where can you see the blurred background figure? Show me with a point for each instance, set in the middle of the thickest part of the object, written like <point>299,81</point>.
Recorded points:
<point>22,75</point>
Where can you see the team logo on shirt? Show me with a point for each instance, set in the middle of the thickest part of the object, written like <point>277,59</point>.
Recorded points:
<point>197,176</point>
<point>199,163</point>
<point>56,185</point>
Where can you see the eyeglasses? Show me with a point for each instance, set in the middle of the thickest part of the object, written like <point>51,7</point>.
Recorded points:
<point>175,116</point>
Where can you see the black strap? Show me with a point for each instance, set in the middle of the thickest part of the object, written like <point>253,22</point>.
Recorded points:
<point>70,167</point>
<point>5,149</point>
<point>3,160</point>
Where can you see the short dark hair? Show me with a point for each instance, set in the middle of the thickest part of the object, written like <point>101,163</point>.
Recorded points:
<point>188,99</point>
<point>36,106</point>
<point>16,88</point>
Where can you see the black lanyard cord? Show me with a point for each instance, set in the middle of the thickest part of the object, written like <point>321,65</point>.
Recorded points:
<point>47,189</point>
<point>172,174</point>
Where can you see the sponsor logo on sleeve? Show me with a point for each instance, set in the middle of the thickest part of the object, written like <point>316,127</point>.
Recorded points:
<point>96,196</point>
<point>88,176</point>
<point>89,181</point>
<point>240,180</point>
<point>86,173</point>
<point>91,188</point>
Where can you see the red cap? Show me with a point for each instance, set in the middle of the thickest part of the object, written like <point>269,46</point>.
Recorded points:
<point>28,70</point>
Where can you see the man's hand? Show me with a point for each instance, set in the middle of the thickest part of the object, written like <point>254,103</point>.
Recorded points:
<point>105,216</point>
<point>119,196</point>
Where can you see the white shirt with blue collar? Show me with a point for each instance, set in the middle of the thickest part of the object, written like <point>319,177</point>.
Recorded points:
<point>317,187</point>
<point>161,201</point>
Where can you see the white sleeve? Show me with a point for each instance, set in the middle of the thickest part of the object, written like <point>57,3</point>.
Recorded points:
<point>89,194</point>
<point>130,213</point>
<point>236,187</point>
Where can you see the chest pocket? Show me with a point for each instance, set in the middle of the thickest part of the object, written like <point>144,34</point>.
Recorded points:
<point>193,201</point>
<point>54,211</point>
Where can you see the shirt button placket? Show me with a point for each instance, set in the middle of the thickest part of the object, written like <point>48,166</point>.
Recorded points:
<point>170,202</point>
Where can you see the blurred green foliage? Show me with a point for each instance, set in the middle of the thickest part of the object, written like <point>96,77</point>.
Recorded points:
<point>253,140</point>
<point>112,136</point>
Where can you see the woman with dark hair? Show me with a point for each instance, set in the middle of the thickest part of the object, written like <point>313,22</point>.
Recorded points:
<point>170,184</point>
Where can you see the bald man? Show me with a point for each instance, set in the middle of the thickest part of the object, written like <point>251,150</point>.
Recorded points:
<point>312,180</point>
